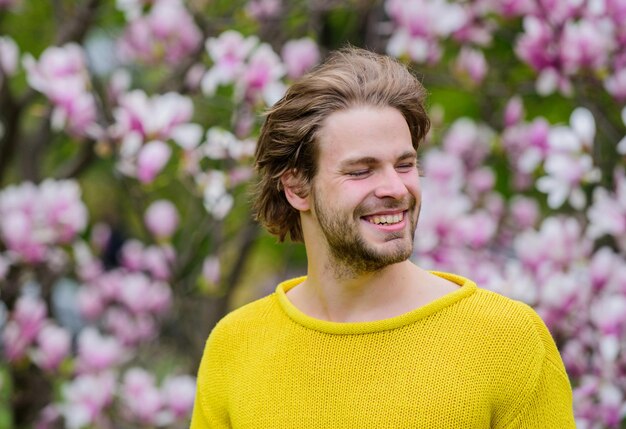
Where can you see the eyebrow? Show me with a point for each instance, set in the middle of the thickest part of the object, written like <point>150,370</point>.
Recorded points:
<point>368,160</point>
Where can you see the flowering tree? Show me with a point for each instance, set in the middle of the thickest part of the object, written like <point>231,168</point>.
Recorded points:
<point>126,139</point>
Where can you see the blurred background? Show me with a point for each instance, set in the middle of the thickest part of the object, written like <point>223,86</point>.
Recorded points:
<point>127,130</point>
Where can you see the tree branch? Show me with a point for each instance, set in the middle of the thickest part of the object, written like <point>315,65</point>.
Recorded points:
<point>76,29</point>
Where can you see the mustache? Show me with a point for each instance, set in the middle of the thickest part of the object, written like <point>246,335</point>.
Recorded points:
<point>368,207</point>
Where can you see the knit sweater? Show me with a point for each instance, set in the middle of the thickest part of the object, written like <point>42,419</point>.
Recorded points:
<point>470,359</point>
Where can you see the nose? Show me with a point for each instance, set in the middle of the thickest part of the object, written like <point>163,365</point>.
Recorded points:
<point>390,185</point>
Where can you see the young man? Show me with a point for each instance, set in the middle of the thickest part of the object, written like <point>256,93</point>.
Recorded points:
<point>368,339</point>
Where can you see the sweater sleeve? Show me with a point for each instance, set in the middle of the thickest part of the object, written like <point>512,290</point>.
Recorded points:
<point>210,406</point>
<point>549,404</point>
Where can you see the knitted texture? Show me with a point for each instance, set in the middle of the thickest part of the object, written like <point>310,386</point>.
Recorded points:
<point>471,359</point>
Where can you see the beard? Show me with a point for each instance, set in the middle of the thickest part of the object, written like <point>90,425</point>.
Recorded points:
<point>348,248</point>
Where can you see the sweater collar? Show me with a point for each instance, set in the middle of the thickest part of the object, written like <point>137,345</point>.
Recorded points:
<point>467,288</point>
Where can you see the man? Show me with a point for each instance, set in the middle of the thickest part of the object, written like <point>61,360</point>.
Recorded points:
<point>368,339</point>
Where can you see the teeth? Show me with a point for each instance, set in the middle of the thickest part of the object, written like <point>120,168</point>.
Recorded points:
<point>386,219</point>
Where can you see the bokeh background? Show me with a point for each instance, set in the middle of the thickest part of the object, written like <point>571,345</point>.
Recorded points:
<point>127,130</point>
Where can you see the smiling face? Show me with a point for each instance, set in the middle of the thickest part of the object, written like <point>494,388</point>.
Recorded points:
<point>365,197</point>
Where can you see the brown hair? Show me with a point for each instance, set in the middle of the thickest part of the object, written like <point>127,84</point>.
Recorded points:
<point>348,78</point>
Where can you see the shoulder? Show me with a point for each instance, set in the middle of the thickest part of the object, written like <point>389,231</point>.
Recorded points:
<point>240,320</point>
<point>515,318</point>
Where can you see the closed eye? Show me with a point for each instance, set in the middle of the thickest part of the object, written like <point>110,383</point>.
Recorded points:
<point>405,167</point>
<point>358,173</point>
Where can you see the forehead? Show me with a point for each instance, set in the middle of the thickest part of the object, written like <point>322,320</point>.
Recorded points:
<point>363,131</point>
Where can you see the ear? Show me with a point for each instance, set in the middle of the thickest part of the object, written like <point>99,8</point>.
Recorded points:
<point>296,190</point>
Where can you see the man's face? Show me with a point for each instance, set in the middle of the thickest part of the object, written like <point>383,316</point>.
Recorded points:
<point>366,194</point>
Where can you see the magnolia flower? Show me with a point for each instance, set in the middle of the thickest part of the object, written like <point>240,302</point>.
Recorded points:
<point>167,33</point>
<point>161,218</point>
<point>261,77</point>
<point>229,53</point>
<point>471,63</point>
<point>142,399</point>
<point>53,346</point>
<point>86,398</point>
<point>9,53</point>
<point>178,393</point>
<point>514,111</point>
<point>151,160</point>
<point>263,9</point>
<point>97,352</point>
<point>300,56</point>
<point>61,74</point>
<point>421,24</point>
<point>567,166</point>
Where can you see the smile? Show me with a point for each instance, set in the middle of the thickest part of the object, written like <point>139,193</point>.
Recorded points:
<point>388,219</point>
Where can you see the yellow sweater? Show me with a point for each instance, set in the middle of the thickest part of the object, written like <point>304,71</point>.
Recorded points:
<point>471,359</point>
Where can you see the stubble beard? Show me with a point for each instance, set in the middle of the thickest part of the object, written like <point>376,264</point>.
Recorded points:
<point>350,253</point>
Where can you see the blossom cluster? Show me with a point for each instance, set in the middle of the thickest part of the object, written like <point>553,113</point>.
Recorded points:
<point>61,75</point>
<point>559,40</point>
<point>253,67</point>
<point>167,34</point>
<point>36,219</point>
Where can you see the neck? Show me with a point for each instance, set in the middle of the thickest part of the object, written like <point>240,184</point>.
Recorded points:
<point>342,295</point>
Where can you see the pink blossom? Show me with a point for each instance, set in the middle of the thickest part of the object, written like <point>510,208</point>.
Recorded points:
<point>9,53</point>
<point>61,202</point>
<point>97,352</point>
<point>221,144</point>
<point>161,218</point>
<point>168,33</point>
<point>584,44</point>
<point>155,261</point>
<point>607,214</point>
<point>211,269</point>
<point>567,245</point>
<point>472,63</point>
<point>132,255</point>
<point>217,201</point>
<point>90,303</point>
<point>14,343</point>
<point>61,74</point>
<point>567,166</point>
<point>141,397</point>
<point>480,181</point>
<point>151,160</point>
<point>513,112</point>
<point>477,229</point>
<point>86,399</point>
<point>615,84</point>
<point>9,4</point>
<point>469,141</point>
<point>34,219</point>
<point>264,9</point>
<point>153,117</point>
<point>427,18</point>
<point>602,268</point>
<point>140,295</point>
<point>608,313</point>
<point>536,45</point>
<point>300,56</point>
<point>129,329</point>
<point>511,8</point>
<point>261,77</point>
<point>178,393</point>
<point>229,53</point>
<point>30,313</point>
<point>54,345</point>
<point>421,24</point>
<point>524,211</point>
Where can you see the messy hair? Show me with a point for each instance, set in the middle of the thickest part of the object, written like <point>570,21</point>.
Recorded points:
<point>348,78</point>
